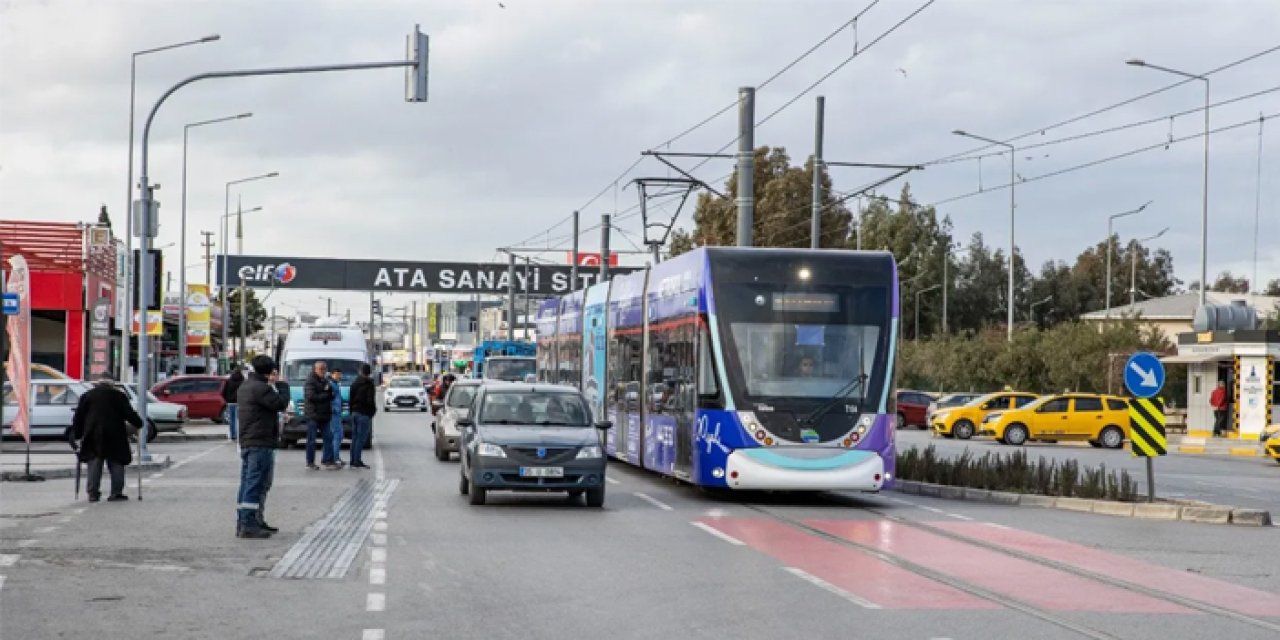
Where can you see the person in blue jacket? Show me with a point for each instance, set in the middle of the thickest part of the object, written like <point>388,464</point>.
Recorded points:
<point>333,439</point>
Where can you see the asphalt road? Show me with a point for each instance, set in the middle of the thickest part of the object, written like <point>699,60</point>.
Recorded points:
<point>1225,480</point>
<point>660,560</point>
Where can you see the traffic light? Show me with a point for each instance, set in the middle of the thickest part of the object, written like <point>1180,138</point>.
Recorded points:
<point>377,307</point>
<point>415,75</point>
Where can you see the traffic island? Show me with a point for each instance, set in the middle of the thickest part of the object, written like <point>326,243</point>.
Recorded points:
<point>1160,510</point>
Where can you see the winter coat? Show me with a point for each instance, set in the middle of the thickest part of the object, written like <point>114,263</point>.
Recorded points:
<point>336,403</point>
<point>364,397</point>
<point>232,387</point>
<point>260,406</point>
<point>318,398</point>
<point>99,424</point>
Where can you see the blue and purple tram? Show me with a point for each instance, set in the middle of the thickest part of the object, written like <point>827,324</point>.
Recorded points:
<point>743,368</point>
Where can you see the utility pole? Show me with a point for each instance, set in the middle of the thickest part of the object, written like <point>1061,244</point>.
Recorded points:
<point>526,297</point>
<point>244,320</point>
<point>208,258</point>
<point>746,164</point>
<point>815,226</point>
<point>511,295</point>
<point>604,248</point>
<point>946,284</point>
<point>573,268</point>
<point>413,338</point>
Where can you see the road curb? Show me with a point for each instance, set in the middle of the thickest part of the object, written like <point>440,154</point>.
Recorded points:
<point>188,437</point>
<point>70,472</point>
<point>1165,510</point>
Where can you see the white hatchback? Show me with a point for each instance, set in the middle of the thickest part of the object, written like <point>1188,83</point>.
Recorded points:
<point>405,392</point>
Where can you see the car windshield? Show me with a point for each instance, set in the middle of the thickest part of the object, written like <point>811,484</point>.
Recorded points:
<point>955,400</point>
<point>406,383</point>
<point>535,407</point>
<point>981,400</point>
<point>296,371</point>
<point>513,369</point>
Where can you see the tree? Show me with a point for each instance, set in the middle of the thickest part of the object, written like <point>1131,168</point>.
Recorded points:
<point>254,311</point>
<point>783,208</point>
<point>1273,288</point>
<point>1229,283</point>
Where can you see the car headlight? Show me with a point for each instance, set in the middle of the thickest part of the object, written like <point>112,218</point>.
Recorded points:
<point>490,450</point>
<point>589,453</point>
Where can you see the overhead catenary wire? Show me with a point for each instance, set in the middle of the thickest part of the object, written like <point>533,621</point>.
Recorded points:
<point>1111,107</point>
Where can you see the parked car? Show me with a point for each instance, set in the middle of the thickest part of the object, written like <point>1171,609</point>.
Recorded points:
<point>405,391</point>
<point>1102,421</point>
<point>457,406</point>
<point>948,401</point>
<point>531,438</point>
<point>1270,439</point>
<point>962,422</point>
<point>201,395</point>
<point>53,406</point>
<point>163,416</point>
<point>912,408</point>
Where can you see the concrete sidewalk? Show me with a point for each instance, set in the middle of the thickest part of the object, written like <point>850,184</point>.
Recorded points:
<point>13,466</point>
<point>1203,443</point>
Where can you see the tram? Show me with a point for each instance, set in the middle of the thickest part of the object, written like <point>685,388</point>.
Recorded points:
<point>739,368</point>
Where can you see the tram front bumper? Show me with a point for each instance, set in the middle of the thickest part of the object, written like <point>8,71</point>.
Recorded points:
<point>804,469</point>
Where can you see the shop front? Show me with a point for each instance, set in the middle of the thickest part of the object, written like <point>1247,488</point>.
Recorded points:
<point>1247,363</point>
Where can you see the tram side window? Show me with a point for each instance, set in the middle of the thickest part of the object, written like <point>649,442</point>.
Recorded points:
<point>624,369</point>
<point>708,386</point>
<point>672,365</point>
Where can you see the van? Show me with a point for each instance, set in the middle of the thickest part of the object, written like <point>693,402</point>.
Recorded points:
<point>343,348</point>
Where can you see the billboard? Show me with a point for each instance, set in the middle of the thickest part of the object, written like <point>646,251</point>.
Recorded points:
<point>400,276</point>
<point>155,322</point>
<point>198,322</point>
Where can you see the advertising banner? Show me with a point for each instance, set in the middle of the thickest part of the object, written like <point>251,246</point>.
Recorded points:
<point>199,326</point>
<point>155,322</point>
<point>19,325</point>
<point>277,272</point>
<point>100,333</point>
<point>1252,384</point>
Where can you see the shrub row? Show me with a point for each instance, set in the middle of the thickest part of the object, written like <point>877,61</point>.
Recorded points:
<point>1014,472</point>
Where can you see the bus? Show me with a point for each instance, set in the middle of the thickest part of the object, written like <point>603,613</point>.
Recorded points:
<point>739,368</point>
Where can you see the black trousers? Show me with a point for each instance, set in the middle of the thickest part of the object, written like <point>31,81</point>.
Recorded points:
<point>93,481</point>
<point>1220,421</point>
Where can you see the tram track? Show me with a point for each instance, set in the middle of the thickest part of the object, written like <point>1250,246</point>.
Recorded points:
<point>1002,600</point>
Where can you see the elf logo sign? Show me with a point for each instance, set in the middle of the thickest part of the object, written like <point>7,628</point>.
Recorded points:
<point>282,273</point>
<point>588,259</point>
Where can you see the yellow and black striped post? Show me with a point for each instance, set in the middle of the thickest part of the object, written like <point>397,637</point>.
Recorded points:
<point>1146,435</point>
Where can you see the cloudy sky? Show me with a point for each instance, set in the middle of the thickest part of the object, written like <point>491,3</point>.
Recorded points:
<point>539,105</point>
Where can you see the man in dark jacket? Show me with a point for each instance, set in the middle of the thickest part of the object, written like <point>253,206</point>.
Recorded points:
<point>99,425</point>
<point>261,402</point>
<point>364,405</point>
<point>317,400</point>
<point>229,395</point>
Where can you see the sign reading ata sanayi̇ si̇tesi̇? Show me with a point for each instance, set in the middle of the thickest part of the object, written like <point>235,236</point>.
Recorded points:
<point>392,275</point>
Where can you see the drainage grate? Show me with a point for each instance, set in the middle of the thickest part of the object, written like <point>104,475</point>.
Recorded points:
<point>330,545</point>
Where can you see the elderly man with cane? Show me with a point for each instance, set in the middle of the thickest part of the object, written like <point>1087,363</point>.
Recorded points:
<point>99,426</point>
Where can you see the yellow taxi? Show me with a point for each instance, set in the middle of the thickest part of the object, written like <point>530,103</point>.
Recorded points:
<point>1271,441</point>
<point>1100,420</point>
<point>962,422</point>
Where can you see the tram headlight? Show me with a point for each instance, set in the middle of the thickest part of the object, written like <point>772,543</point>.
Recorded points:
<point>752,424</point>
<point>864,423</point>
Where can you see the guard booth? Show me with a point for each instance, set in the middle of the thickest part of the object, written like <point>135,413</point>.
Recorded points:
<point>1226,345</point>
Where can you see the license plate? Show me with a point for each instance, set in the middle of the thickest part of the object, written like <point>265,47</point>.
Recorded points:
<point>406,401</point>
<point>542,472</point>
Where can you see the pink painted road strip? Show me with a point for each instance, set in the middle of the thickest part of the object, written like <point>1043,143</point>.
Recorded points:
<point>868,578</point>
<point>1018,579</point>
<point>1186,585</point>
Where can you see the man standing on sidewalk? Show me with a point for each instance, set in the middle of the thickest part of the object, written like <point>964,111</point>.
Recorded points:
<point>364,405</point>
<point>99,425</point>
<point>229,394</point>
<point>1218,400</point>
<point>318,399</point>
<point>262,403</point>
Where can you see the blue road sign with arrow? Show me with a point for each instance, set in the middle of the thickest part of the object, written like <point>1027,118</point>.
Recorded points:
<point>1144,374</point>
<point>11,304</point>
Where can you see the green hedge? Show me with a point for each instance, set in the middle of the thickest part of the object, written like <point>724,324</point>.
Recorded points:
<point>1015,473</point>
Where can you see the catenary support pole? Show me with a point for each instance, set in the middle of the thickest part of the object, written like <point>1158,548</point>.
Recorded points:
<point>746,164</point>
<point>815,225</point>
<point>573,268</point>
<point>604,248</point>
<point>511,295</point>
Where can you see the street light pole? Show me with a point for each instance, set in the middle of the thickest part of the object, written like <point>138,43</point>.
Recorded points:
<point>919,293</point>
<point>1012,204</point>
<point>1133,266</point>
<point>1111,219</point>
<point>182,242</point>
<point>1204,188</point>
<point>226,213</point>
<point>226,317</point>
<point>128,201</point>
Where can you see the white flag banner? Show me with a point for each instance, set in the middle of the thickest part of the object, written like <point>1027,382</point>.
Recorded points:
<point>19,282</point>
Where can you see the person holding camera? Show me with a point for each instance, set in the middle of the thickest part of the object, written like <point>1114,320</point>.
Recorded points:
<point>261,399</point>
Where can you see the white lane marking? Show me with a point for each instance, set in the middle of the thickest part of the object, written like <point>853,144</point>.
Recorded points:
<point>374,634</point>
<point>376,602</point>
<point>8,559</point>
<point>831,588</point>
<point>1,583</point>
<point>931,509</point>
<point>381,515</point>
<point>377,575</point>
<point>901,501</point>
<point>611,480</point>
<point>998,526</point>
<point>44,530</point>
<point>377,555</point>
<point>155,475</point>
<point>380,526</point>
<point>716,513</point>
<point>64,519</point>
<point>718,533</point>
<point>653,501</point>
<point>79,511</point>
<point>960,517</point>
<point>378,539</point>
<point>197,456</point>
<point>379,469</point>
<point>26,543</point>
